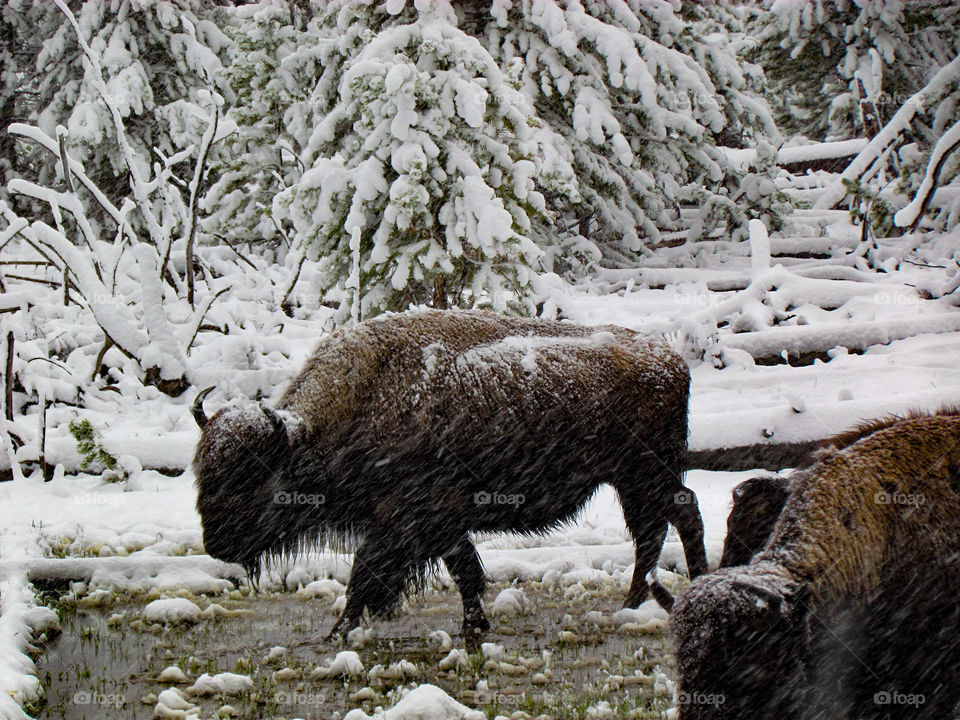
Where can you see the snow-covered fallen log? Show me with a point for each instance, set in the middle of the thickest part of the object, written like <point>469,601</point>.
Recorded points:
<point>744,158</point>
<point>200,573</point>
<point>802,339</point>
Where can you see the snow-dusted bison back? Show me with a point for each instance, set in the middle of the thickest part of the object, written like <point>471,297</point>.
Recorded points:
<point>409,431</point>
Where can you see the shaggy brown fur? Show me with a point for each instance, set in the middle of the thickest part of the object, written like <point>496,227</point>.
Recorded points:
<point>833,526</point>
<point>854,597</point>
<point>401,423</point>
<point>758,502</point>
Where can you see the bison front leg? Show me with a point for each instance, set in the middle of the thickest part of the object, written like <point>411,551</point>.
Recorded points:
<point>380,573</point>
<point>464,565</point>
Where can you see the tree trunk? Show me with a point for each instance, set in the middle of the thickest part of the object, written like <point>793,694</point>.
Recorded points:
<point>439,292</point>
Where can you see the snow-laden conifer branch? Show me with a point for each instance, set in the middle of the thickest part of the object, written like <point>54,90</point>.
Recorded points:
<point>947,144</point>
<point>944,81</point>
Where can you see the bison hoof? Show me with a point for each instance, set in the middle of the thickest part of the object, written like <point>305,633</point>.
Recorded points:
<point>341,629</point>
<point>475,625</point>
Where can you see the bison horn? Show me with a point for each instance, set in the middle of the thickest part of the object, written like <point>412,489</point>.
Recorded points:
<point>773,604</point>
<point>275,420</point>
<point>198,414</point>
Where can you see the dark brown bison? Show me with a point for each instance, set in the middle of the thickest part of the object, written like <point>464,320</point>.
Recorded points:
<point>405,433</point>
<point>850,610</point>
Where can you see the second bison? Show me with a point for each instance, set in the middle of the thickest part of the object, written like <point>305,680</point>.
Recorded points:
<point>850,610</point>
<point>405,433</point>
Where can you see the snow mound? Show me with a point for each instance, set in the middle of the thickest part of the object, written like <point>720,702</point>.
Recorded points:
<point>511,601</point>
<point>426,702</point>
<point>327,588</point>
<point>649,617</point>
<point>492,651</point>
<point>455,659</point>
<point>398,670</point>
<point>441,638</point>
<point>172,610</point>
<point>172,703</point>
<point>172,674</point>
<point>221,684</point>
<point>345,663</point>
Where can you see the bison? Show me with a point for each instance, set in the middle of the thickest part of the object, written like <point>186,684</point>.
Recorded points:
<point>403,434</point>
<point>758,501</point>
<point>850,610</point>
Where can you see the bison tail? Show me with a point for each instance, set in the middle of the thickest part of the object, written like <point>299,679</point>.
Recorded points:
<point>663,596</point>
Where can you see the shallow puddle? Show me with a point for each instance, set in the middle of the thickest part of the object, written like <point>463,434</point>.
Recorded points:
<point>107,662</point>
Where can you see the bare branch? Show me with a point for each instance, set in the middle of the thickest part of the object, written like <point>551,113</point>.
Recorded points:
<point>200,171</point>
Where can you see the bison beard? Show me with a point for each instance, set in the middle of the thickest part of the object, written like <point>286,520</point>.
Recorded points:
<point>405,433</point>
<point>850,610</point>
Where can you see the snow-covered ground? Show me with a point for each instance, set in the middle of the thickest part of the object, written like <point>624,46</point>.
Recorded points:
<point>144,532</point>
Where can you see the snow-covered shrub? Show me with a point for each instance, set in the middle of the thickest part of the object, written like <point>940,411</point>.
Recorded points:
<point>125,262</point>
<point>89,447</point>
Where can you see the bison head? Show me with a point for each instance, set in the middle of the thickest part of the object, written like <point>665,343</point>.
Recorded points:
<point>757,503</point>
<point>737,638</point>
<point>240,457</point>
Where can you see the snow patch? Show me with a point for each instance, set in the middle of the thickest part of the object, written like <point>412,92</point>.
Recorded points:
<point>172,610</point>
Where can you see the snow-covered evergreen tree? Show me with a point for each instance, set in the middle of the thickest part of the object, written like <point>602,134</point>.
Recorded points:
<point>639,94</point>
<point>428,171</point>
<point>272,71</point>
<point>863,58</point>
<point>888,71</point>
<point>622,105</point>
<point>23,26</point>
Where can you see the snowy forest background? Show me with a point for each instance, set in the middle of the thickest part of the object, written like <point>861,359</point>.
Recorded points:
<point>193,192</point>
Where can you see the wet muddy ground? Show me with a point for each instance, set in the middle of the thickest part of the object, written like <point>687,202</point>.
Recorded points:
<point>562,658</point>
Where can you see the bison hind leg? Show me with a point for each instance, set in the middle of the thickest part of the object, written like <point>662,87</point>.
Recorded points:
<point>648,535</point>
<point>685,516</point>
